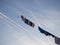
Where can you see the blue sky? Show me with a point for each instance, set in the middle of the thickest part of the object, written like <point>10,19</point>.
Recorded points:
<point>44,13</point>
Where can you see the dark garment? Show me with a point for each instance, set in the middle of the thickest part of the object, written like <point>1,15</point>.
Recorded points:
<point>41,30</point>
<point>52,35</point>
<point>45,32</point>
<point>57,40</point>
<point>28,22</point>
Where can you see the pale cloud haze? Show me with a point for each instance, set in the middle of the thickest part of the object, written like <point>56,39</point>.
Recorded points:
<point>44,13</point>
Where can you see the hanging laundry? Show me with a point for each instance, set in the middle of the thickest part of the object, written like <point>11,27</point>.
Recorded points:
<point>28,22</point>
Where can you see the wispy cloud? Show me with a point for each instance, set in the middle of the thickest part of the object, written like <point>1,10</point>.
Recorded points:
<point>18,26</point>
